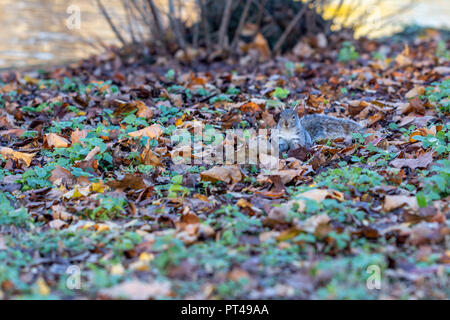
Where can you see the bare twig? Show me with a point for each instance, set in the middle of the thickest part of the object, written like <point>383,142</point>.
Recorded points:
<point>138,25</point>
<point>110,22</point>
<point>126,8</point>
<point>157,19</point>
<point>141,11</point>
<point>176,26</point>
<point>224,24</point>
<point>262,6</point>
<point>205,24</point>
<point>241,24</point>
<point>289,28</point>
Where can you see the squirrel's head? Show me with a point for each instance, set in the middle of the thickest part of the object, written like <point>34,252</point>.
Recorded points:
<point>288,118</point>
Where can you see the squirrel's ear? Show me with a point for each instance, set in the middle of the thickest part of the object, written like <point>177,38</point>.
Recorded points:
<point>296,107</point>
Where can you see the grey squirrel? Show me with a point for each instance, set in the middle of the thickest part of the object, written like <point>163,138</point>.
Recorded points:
<point>294,131</point>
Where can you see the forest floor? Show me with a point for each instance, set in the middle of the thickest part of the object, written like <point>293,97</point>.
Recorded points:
<point>94,203</point>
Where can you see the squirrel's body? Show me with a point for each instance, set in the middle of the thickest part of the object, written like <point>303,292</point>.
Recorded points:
<point>294,131</point>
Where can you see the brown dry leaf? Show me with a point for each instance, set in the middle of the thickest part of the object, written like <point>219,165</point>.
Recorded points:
<point>404,108</point>
<point>9,153</point>
<point>61,175</point>
<point>280,213</point>
<point>425,233</point>
<point>416,91</point>
<point>261,45</point>
<point>57,224</point>
<point>138,290</point>
<point>250,107</point>
<point>268,162</point>
<point>403,59</point>
<point>421,162</point>
<point>189,218</point>
<point>300,153</point>
<point>77,135</point>
<point>131,181</point>
<point>149,158</point>
<point>12,132</point>
<point>394,202</point>
<point>302,49</point>
<point>227,174</point>
<point>56,141</point>
<point>143,110</point>
<point>314,223</point>
<point>237,274</point>
<point>417,106</point>
<point>375,118</point>
<point>268,120</point>
<point>153,132</point>
<point>422,132</point>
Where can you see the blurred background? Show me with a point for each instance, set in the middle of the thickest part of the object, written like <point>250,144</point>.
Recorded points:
<point>35,32</point>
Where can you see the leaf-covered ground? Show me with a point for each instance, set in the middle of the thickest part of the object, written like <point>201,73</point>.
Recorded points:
<point>94,206</point>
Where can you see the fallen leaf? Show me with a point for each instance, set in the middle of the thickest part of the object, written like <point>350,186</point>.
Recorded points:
<point>394,202</point>
<point>421,162</point>
<point>77,135</point>
<point>153,132</point>
<point>227,174</point>
<point>92,153</point>
<point>61,175</point>
<point>128,181</point>
<point>76,192</point>
<point>56,141</point>
<point>138,290</point>
<point>143,110</point>
<point>149,158</point>
<point>9,153</point>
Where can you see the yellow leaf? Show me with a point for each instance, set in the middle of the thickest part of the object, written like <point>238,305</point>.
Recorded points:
<point>98,187</point>
<point>146,257</point>
<point>16,155</point>
<point>76,193</point>
<point>43,287</point>
<point>102,227</point>
<point>179,121</point>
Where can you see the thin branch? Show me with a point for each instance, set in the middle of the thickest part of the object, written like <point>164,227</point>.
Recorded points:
<point>138,25</point>
<point>176,26</point>
<point>205,25</point>
<point>289,28</point>
<point>126,8</point>
<point>141,12</point>
<point>157,19</point>
<point>262,6</point>
<point>110,22</point>
<point>241,24</point>
<point>224,24</point>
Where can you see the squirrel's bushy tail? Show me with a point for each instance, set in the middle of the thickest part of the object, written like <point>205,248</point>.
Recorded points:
<point>326,127</point>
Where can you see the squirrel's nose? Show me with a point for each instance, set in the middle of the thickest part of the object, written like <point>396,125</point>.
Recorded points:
<point>286,124</point>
